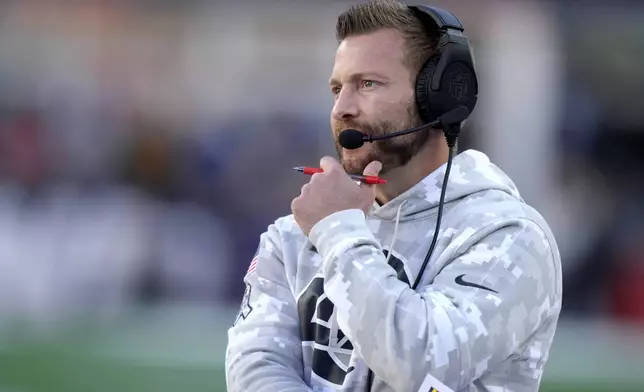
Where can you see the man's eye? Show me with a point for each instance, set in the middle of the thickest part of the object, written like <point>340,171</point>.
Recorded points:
<point>368,83</point>
<point>335,90</point>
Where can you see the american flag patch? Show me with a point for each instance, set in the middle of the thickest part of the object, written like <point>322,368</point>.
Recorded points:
<point>252,266</point>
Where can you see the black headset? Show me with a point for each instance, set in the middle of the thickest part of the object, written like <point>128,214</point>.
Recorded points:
<point>447,79</point>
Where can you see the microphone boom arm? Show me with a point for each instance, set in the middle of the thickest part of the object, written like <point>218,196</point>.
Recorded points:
<point>368,138</point>
<point>450,122</point>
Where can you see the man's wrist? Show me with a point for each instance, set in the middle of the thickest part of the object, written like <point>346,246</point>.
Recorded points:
<point>340,229</point>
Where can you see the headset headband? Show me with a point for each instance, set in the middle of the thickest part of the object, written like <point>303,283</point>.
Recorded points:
<point>444,20</point>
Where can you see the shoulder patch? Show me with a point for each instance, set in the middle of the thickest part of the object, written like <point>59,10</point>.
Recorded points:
<point>252,266</point>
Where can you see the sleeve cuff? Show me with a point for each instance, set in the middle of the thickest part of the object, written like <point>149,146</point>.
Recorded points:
<point>342,229</point>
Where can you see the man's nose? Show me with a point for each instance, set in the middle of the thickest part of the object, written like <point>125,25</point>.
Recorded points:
<point>345,106</point>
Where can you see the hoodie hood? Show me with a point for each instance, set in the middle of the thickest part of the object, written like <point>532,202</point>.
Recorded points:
<point>471,172</point>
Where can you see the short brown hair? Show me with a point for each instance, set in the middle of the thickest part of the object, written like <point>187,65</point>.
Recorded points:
<point>382,14</point>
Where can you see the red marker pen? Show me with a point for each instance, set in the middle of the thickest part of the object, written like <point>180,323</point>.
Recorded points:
<point>366,179</point>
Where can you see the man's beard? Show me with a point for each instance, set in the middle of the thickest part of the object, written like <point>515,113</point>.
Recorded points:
<point>392,153</point>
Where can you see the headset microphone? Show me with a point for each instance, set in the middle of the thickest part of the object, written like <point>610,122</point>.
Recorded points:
<point>352,138</point>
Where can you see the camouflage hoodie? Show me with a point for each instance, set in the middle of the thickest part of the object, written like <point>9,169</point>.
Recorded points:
<point>319,311</point>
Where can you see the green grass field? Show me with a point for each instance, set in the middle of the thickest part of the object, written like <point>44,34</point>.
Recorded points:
<point>44,368</point>
<point>170,352</point>
<point>40,371</point>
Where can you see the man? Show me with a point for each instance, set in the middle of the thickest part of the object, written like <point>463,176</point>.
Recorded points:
<point>328,297</point>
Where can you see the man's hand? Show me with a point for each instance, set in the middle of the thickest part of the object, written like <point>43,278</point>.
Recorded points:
<point>332,191</point>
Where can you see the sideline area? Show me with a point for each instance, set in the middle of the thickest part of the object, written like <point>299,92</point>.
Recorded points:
<point>182,349</point>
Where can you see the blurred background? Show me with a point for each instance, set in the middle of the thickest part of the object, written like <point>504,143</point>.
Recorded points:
<point>145,145</point>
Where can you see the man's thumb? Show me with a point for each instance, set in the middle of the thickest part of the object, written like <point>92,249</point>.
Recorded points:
<point>372,169</point>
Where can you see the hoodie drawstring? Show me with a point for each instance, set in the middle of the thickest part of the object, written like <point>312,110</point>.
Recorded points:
<point>393,239</point>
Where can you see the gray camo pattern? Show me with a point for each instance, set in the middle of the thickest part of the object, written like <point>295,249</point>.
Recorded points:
<point>468,338</point>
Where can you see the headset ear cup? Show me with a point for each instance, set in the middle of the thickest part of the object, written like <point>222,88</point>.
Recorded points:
<point>458,87</point>
<point>424,94</point>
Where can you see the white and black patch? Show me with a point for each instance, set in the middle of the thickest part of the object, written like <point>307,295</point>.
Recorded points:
<point>245,308</point>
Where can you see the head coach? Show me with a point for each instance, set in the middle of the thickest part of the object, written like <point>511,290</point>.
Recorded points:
<point>429,282</point>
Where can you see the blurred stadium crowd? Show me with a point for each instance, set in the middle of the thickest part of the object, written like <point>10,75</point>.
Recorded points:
<point>144,146</point>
